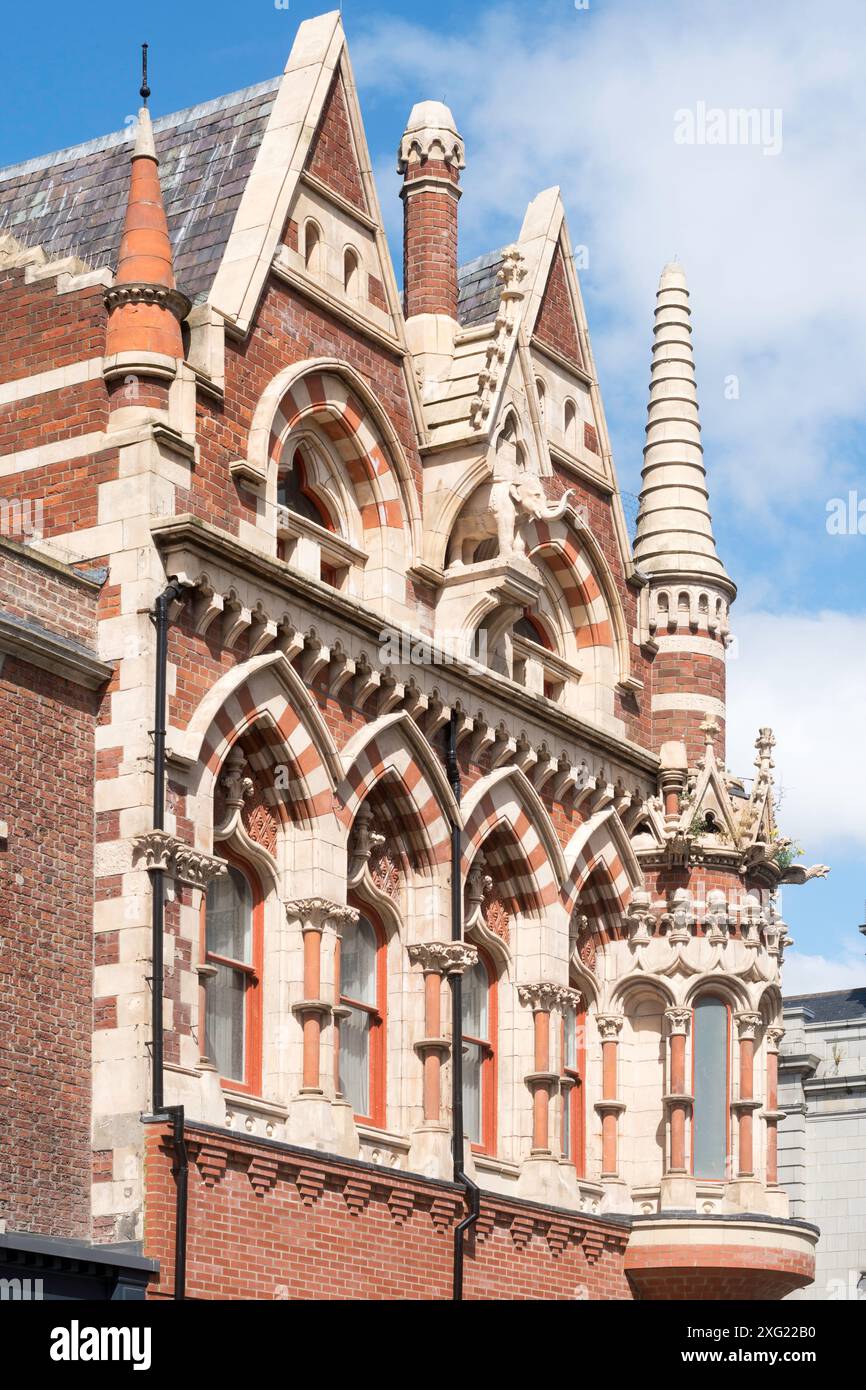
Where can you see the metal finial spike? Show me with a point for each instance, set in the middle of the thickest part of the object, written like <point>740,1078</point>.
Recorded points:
<point>144,90</point>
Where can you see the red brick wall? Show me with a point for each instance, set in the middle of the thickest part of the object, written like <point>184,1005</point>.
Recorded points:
<point>42,329</point>
<point>267,1221</point>
<point>556,324</point>
<point>332,153</point>
<point>46,903</point>
<point>430,242</point>
<point>716,1272</point>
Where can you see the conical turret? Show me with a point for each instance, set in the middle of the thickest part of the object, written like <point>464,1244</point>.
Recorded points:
<point>674,528</point>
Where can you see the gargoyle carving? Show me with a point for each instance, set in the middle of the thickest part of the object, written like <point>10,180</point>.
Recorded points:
<point>799,873</point>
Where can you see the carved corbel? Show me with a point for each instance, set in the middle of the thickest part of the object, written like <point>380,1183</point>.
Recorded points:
<point>363,842</point>
<point>165,852</point>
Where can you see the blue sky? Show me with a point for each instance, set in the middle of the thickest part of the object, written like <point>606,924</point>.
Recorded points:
<point>588,97</point>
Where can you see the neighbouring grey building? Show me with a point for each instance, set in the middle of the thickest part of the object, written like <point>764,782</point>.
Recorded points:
<point>822,1140</point>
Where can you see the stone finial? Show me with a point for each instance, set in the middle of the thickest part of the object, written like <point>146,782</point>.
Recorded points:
<point>431,133</point>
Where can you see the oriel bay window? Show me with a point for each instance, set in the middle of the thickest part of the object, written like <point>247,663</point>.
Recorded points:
<point>361,1024</point>
<point>233,950</point>
<point>479,1055</point>
<point>710,1129</point>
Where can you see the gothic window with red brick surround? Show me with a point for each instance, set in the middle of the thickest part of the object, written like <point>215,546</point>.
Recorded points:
<point>479,1055</point>
<point>361,1061</point>
<point>232,1004</point>
<point>711,1090</point>
<point>572,1087</point>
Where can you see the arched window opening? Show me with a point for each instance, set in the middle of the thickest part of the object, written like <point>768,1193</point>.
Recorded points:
<point>542,398</point>
<point>351,274</point>
<point>530,627</point>
<point>312,247</point>
<point>233,946</point>
<point>294,493</point>
<point>573,1070</point>
<point>569,426</point>
<point>361,1027</point>
<point>479,1055</point>
<point>710,1124</point>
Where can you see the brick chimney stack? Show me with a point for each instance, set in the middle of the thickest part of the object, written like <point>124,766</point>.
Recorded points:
<point>430,158</point>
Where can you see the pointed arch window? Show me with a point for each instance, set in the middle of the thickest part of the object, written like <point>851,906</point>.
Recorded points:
<point>351,273</point>
<point>361,969</point>
<point>312,247</point>
<point>480,1055</point>
<point>233,913</point>
<point>711,1051</point>
<point>569,426</point>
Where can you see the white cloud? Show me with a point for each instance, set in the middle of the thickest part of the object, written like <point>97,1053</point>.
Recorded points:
<point>805,677</point>
<point>772,245</point>
<point>818,974</point>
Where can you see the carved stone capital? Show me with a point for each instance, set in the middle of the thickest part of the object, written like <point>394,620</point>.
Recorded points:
<point>747,1025</point>
<point>363,842</point>
<point>679,1020</point>
<point>774,1035</point>
<point>639,917</point>
<point>541,997</point>
<point>443,957</point>
<point>159,850</point>
<point>609,1026</point>
<point>319,914</point>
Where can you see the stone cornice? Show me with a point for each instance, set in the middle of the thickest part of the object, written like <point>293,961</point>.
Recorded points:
<point>116,296</point>
<point>207,542</point>
<point>34,644</point>
<point>297,280</point>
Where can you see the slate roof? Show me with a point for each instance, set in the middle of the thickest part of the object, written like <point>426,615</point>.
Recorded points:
<point>478,290</point>
<point>72,202</point>
<point>833,1007</point>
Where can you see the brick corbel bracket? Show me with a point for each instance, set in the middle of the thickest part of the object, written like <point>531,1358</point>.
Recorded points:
<point>159,850</point>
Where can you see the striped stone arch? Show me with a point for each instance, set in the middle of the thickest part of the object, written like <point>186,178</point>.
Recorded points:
<point>334,397</point>
<point>602,872</point>
<point>586,583</point>
<point>527,852</point>
<point>393,752</point>
<point>265,700</point>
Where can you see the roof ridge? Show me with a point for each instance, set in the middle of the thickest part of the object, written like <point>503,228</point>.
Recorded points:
<point>120,137</point>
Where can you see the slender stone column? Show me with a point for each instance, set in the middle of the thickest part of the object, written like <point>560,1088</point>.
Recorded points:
<point>610,1107</point>
<point>314,915</point>
<point>678,1101</point>
<point>437,959</point>
<point>772,1114</point>
<point>747,1025</point>
<point>541,998</point>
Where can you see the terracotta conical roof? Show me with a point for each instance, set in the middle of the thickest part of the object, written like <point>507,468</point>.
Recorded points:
<point>674,528</point>
<point>145,308</point>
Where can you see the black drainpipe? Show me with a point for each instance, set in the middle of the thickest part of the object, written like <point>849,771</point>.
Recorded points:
<point>159,1111</point>
<point>473,1192</point>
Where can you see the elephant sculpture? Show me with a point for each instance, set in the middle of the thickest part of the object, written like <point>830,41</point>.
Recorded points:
<point>498,510</point>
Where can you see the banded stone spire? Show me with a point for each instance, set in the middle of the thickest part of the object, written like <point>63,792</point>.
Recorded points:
<point>674,528</point>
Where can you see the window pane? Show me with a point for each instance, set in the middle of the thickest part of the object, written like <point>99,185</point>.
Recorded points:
<point>566,1124</point>
<point>224,1022</point>
<point>230,916</point>
<point>711,1088</point>
<point>355,1060</point>
<point>472,1059</point>
<point>569,1056</point>
<point>476,987</point>
<point>358,963</point>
